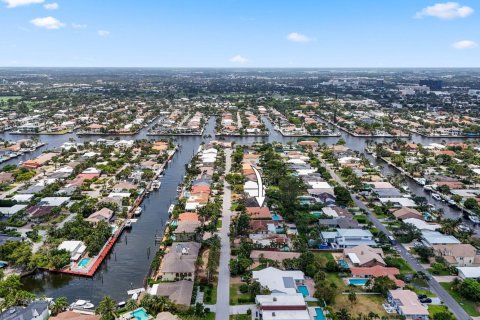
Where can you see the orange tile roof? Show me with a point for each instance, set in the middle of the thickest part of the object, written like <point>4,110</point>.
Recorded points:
<point>188,217</point>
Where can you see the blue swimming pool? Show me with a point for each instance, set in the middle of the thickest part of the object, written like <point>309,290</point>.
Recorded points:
<point>319,314</point>
<point>303,290</point>
<point>357,281</point>
<point>343,264</point>
<point>84,262</point>
<point>316,213</point>
<point>276,218</point>
<point>140,314</point>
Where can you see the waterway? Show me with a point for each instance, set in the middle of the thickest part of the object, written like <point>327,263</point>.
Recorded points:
<point>129,261</point>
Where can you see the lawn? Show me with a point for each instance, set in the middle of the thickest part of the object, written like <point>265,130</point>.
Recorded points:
<point>323,257</point>
<point>469,306</point>
<point>210,294</point>
<point>399,263</point>
<point>433,309</point>
<point>240,317</point>
<point>364,305</point>
<point>236,297</point>
<point>6,98</point>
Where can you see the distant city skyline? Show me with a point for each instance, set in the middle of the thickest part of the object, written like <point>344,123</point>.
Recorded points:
<point>239,33</point>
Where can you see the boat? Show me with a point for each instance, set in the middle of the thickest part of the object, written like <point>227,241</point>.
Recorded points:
<point>405,188</point>
<point>451,202</point>
<point>170,209</point>
<point>128,223</point>
<point>428,187</point>
<point>436,196</point>
<point>82,304</point>
<point>156,184</point>
<point>138,211</point>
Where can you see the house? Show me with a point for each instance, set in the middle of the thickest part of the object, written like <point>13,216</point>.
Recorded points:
<point>458,255</point>
<point>36,310</point>
<point>422,225</point>
<point>6,177</point>
<point>259,213</point>
<point>347,238</point>
<point>123,187</point>
<point>72,315</point>
<point>407,213</point>
<point>279,281</point>
<point>9,211</point>
<point>468,272</point>
<point>103,214</point>
<point>277,306</point>
<point>407,304</point>
<point>74,247</point>
<point>187,231</point>
<point>179,292</point>
<point>365,256</point>
<point>430,238</point>
<point>377,271</point>
<point>179,262</point>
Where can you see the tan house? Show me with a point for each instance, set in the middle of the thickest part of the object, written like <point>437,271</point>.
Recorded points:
<point>458,255</point>
<point>364,256</point>
<point>406,213</point>
<point>179,262</point>
<point>103,214</point>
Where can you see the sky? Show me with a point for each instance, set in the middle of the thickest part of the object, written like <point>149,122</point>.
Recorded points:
<point>239,33</point>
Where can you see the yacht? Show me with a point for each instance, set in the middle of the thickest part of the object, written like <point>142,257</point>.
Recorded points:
<point>82,304</point>
<point>138,211</point>
<point>436,196</point>
<point>156,184</point>
<point>170,209</point>
<point>128,223</point>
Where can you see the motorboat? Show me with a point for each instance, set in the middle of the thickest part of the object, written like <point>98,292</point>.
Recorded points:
<point>451,202</point>
<point>156,184</point>
<point>137,211</point>
<point>82,304</point>
<point>474,218</point>
<point>436,196</point>
<point>170,209</point>
<point>128,223</point>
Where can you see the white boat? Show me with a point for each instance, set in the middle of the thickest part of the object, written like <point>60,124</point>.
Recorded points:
<point>405,188</point>
<point>138,211</point>
<point>170,209</point>
<point>474,218</point>
<point>436,196</point>
<point>128,223</point>
<point>83,304</point>
<point>156,184</point>
<point>428,187</point>
<point>452,202</point>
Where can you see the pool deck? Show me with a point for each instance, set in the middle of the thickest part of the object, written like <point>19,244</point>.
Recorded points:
<point>113,239</point>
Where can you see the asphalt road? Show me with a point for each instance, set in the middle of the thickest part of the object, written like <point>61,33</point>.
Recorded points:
<point>435,287</point>
<point>222,307</point>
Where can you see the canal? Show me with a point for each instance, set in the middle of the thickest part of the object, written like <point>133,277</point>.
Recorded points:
<point>129,261</point>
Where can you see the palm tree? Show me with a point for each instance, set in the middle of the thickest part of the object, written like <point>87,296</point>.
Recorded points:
<point>59,305</point>
<point>106,308</point>
<point>131,305</point>
<point>155,304</point>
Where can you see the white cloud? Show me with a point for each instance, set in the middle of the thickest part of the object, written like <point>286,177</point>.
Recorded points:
<point>19,3</point>
<point>298,37</point>
<point>79,26</point>
<point>445,11</point>
<point>103,33</point>
<point>47,23</point>
<point>51,6</point>
<point>465,44</point>
<point>238,59</point>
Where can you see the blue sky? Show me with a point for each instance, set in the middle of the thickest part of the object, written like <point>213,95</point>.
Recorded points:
<point>240,33</point>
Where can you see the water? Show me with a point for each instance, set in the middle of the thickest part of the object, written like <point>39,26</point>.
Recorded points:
<point>303,290</point>
<point>357,282</point>
<point>319,314</point>
<point>129,261</point>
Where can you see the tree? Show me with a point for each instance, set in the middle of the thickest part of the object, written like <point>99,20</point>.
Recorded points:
<point>106,308</point>
<point>383,284</point>
<point>342,195</point>
<point>424,252</point>
<point>155,304</point>
<point>443,315</point>
<point>352,296</point>
<point>131,305</point>
<point>59,305</point>
<point>470,289</point>
<point>343,314</point>
<point>326,291</point>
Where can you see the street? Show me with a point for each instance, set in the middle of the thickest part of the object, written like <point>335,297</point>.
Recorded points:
<point>222,307</point>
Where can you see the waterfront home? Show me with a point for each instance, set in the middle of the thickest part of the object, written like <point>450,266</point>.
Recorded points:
<point>347,238</point>
<point>365,256</point>
<point>179,292</point>
<point>458,254</point>
<point>407,304</point>
<point>179,262</point>
<point>72,315</point>
<point>279,281</point>
<point>377,271</point>
<point>422,225</point>
<point>398,202</point>
<point>40,161</point>
<point>103,214</point>
<point>74,247</point>
<point>187,231</point>
<point>123,186</point>
<point>407,213</point>
<point>36,310</point>
<point>277,306</point>
<point>431,238</point>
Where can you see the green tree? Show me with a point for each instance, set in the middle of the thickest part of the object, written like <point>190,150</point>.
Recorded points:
<point>59,304</point>
<point>106,308</point>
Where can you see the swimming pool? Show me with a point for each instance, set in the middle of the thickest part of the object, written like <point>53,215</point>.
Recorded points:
<point>303,290</point>
<point>83,263</point>
<point>140,314</point>
<point>316,213</point>
<point>276,218</point>
<point>319,314</point>
<point>357,281</point>
<point>343,264</point>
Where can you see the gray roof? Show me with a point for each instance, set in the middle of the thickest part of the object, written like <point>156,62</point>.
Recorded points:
<point>181,257</point>
<point>32,189</point>
<point>32,311</point>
